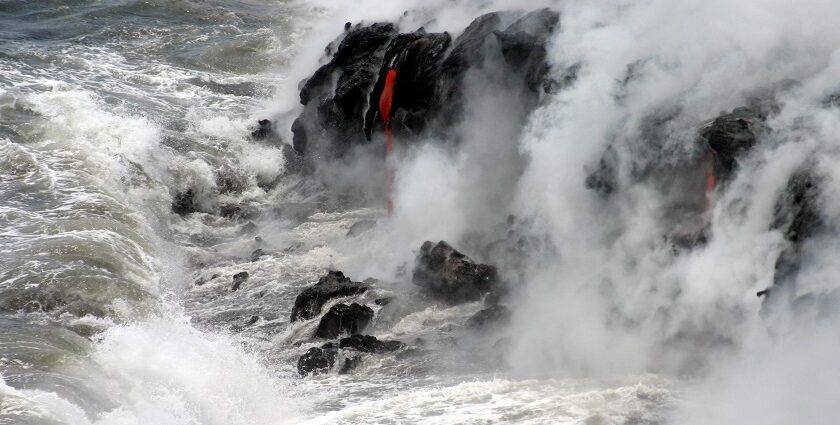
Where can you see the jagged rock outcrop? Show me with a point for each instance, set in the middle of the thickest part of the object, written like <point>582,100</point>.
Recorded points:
<point>334,285</point>
<point>450,275</point>
<point>370,344</point>
<point>523,45</point>
<point>344,319</point>
<point>331,120</point>
<point>316,360</point>
<point>797,215</point>
<point>322,359</point>
<point>416,57</point>
<point>238,280</point>
<point>731,135</point>
<point>341,98</point>
<point>184,203</point>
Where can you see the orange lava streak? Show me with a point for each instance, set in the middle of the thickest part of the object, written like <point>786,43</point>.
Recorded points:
<point>711,179</point>
<point>386,101</point>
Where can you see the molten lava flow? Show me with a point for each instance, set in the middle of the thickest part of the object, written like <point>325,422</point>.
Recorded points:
<point>386,100</point>
<point>711,179</point>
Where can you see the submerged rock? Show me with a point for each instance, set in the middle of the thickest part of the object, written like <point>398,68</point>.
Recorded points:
<point>238,280</point>
<point>370,344</point>
<point>264,131</point>
<point>344,319</point>
<point>349,364</point>
<point>184,203</point>
<point>316,360</point>
<point>334,285</point>
<point>451,275</point>
<point>491,316</point>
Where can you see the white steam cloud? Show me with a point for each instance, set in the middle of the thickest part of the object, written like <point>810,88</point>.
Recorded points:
<point>611,297</point>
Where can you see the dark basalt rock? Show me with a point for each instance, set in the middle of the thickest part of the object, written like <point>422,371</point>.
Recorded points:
<point>316,361</point>
<point>451,275</point>
<point>491,316</point>
<point>184,203</point>
<point>798,216</point>
<point>263,131</point>
<point>370,344</point>
<point>796,212</point>
<point>383,301</point>
<point>344,319</point>
<point>257,254</point>
<point>334,285</point>
<point>428,91</point>
<point>416,57</point>
<point>349,364</point>
<point>523,45</point>
<point>731,135</point>
<point>338,108</point>
<point>238,280</point>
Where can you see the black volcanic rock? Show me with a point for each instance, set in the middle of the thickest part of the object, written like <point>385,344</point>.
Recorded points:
<point>523,45</point>
<point>334,285</point>
<point>264,130</point>
<point>335,96</point>
<point>349,364</point>
<point>184,203</point>
<point>797,215</point>
<point>344,319</point>
<point>416,57</point>
<point>238,280</point>
<point>796,212</point>
<point>370,344</point>
<point>316,360</point>
<point>451,275</point>
<point>731,135</point>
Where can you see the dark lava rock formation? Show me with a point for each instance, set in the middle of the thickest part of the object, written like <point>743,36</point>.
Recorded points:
<point>334,285</point>
<point>344,319</point>
<point>452,276</point>
<point>316,360</point>
<point>340,100</point>
<point>370,344</point>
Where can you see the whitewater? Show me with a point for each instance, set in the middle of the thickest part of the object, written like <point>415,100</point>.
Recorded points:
<point>134,188</point>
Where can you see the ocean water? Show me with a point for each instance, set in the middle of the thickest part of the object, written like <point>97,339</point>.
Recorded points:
<point>115,310</point>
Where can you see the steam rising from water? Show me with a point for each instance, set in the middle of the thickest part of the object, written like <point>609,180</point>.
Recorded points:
<point>612,297</point>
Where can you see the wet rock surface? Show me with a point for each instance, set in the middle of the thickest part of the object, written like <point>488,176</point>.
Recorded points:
<point>334,285</point>
<point>732,135</point>
<point>335,96</point>
<point>450,275</point>
<point>341,98</point>
<point>316,361</point>
<point>184,203</point>
<point>797,215</point>
<point>523,45</point>
<point>370,344</point>
<point>344,319</point>
<point>238,280</point>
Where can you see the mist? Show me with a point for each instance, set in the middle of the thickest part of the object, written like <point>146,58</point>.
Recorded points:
<point>606,293</point>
